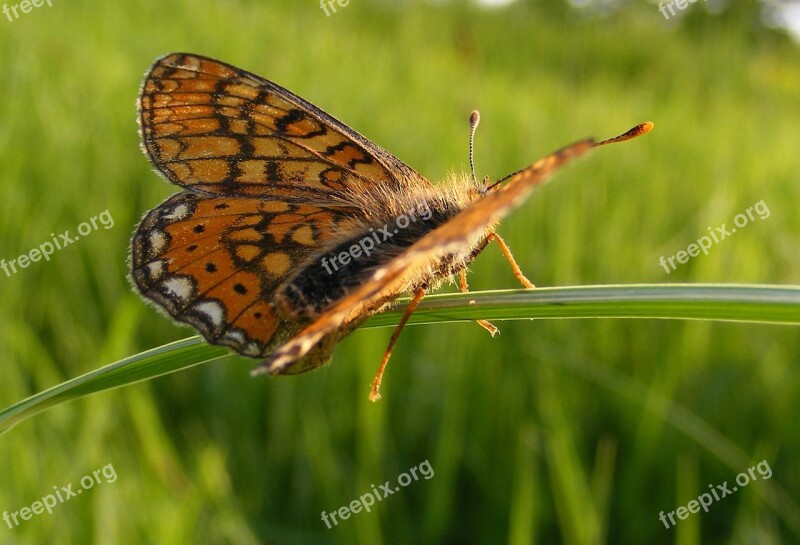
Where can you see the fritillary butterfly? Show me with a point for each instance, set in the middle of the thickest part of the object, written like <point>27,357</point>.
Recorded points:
<point>272,188</point>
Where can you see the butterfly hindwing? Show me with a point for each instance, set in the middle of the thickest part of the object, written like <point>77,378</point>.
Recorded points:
<point>216,262</point>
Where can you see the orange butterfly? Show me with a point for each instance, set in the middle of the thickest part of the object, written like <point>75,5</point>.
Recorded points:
<point>265,250</point>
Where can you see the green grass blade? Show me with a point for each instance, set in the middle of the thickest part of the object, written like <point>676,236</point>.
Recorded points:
<point>143,366</point>
<point>720,302</point>
<point>744,303</point>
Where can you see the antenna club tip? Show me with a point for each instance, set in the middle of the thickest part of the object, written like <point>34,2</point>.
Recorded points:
<point>646,127</point>
<point>474,118</point>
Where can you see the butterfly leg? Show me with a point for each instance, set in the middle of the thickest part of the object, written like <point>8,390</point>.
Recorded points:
<point>464,287</point>
<point>374,394</point>
<point>510,258</point>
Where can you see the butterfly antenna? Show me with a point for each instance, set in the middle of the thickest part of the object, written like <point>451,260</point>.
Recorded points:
<point>474,119</point>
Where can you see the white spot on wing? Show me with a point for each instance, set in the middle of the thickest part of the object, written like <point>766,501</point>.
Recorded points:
<point>179,286</point>
<point>155,269</point>
<point>235,336</point>
<point>251,349</point>
<point>158,240</point>
<point>214,311</point>
<point>177,213</point>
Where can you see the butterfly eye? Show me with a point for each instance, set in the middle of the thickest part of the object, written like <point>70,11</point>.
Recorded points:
<point>482,187</point>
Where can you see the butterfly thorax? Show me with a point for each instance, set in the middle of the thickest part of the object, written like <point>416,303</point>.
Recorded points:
<point>391,224</point>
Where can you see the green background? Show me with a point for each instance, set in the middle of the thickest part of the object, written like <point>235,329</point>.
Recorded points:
<point>554,432</point>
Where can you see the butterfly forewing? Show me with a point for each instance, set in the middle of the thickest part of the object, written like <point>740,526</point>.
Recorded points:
<point>210,126</point>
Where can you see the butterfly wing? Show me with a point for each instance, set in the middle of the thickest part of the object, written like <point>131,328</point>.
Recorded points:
<point>215,262</point>
<point>267,178</point>
<point>210,126</point>
<point>448,238</point>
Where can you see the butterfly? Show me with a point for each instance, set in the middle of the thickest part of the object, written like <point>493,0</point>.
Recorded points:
<point>265,249</point>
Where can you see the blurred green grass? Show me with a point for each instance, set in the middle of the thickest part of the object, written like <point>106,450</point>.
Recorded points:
<point>552,432</point>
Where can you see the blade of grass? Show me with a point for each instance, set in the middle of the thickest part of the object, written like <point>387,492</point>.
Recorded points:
<point>720,302</point>
<point>744,303</point>
<point>146,365</point>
